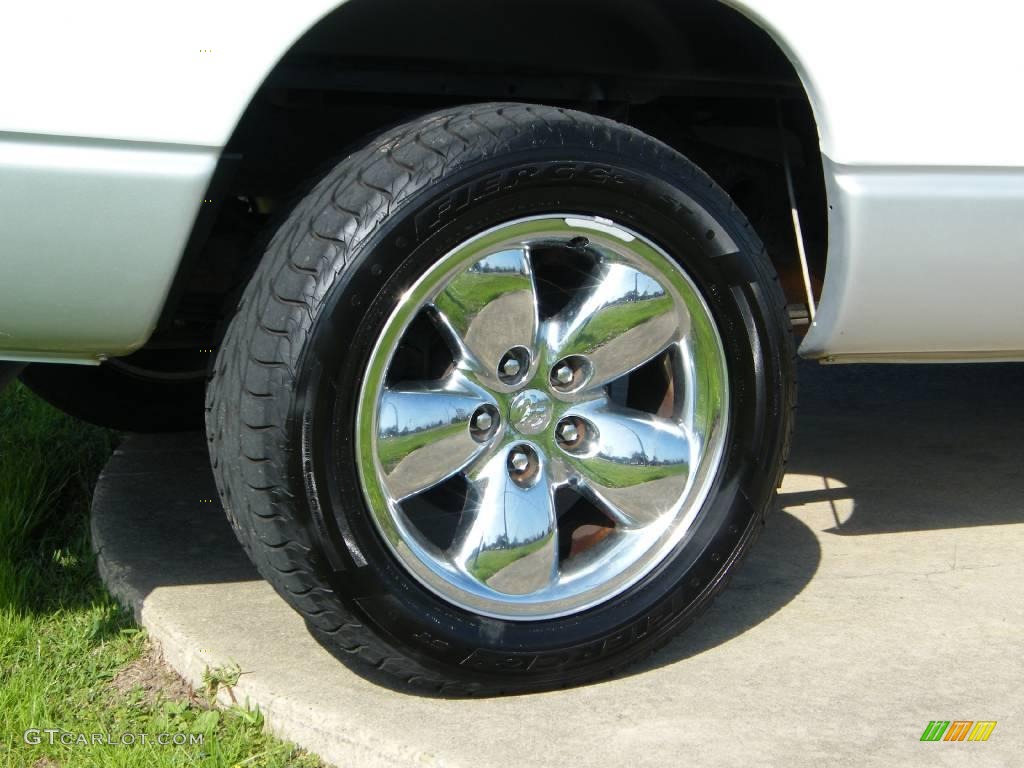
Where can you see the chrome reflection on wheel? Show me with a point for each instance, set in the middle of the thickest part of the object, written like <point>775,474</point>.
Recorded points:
<point>542,417</point>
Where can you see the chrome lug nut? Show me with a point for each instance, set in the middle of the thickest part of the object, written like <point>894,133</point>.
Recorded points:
<point>563,374</point>
<point>568,432</point>
<point>574,435</point>
<point>520,461</point>
<point>513,365</point>
<point>483,423</point>
<point>524,466</point>
<point>570,373</point>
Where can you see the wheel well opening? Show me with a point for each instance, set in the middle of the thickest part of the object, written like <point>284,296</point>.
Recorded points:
<point>698,75</point>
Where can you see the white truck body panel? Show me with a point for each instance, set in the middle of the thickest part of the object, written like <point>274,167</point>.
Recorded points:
<point>915,103</point>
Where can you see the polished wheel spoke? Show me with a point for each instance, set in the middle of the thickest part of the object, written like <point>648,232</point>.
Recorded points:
<point>634,464</point>
<point>489,309</point>
<point>508,539</point>
<point>424,435</point>
<point>621,321</point>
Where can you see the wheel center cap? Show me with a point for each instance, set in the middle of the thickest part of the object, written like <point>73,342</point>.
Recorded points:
<point>530,411</point>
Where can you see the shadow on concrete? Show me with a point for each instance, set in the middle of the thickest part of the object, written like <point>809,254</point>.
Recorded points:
<point>169,528</point>
<point>915,447</point>
<point>782,562</point>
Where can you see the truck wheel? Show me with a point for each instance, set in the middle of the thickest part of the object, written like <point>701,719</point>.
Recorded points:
<point>158,391</point>
<point>506,400</point>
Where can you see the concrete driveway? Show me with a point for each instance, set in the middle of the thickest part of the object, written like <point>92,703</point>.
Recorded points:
<point>886,592</point>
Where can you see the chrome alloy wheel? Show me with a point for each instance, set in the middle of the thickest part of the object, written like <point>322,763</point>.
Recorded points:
<point>568,441</point>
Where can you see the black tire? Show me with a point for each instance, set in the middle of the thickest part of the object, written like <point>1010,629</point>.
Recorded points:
<point>143,393</point>
<point>280,405</point>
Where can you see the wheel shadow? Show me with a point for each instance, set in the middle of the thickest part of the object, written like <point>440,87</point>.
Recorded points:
<point>782,562</point>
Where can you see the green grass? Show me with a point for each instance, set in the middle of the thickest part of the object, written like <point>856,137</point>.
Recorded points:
<point>70,657</point>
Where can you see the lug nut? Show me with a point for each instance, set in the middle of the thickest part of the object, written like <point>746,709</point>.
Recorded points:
<point>568,432</point>
<point>575,435</point>
<point>513,365</point>
<point>483,423</point>
<point>571,373</point>
<point>524,466</point>
<point>519,461</point>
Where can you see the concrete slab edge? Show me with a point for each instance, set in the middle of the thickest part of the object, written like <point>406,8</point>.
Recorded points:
<point>335,743</point>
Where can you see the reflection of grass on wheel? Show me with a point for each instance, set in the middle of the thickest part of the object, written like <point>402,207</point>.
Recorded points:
<point>617,319</point>
<point>611,474</point>
<point>487,564</point>
<point>391,450</point>
<point>467,294</point>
